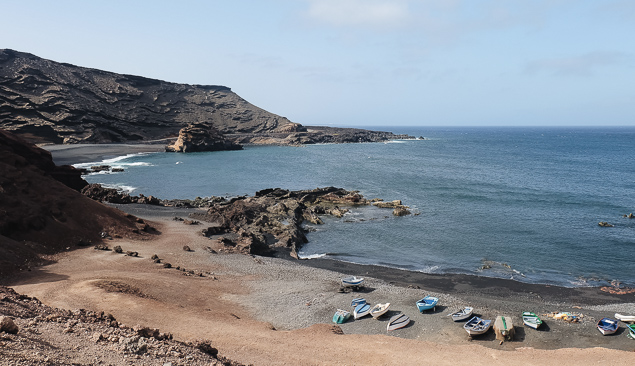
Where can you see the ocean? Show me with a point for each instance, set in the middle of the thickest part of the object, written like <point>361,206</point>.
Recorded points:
<point>519,203</point>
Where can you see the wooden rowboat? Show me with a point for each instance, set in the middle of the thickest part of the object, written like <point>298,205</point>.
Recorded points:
<point>531,320</point>
<point>462,314</point>
<point>504,328</point>
<point>358,301</point>
<point>625,318</point>
<point>361,310</point>
<point>607,326</point>
<point>352,281</point>
<point>341,316</point>
<point>427,303</point>
<point>476,326</point>
<point>398,321</point>
<point>379,310</point>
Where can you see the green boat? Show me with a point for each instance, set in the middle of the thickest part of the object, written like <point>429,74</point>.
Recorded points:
<point>631,331</point>
<point>341,316</point>
<point>531,320</point>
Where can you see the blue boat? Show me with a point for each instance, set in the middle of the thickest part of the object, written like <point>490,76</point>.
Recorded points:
<point>341,316</point>
<point>358,301</point>
<point>427,303</point>
<point>607,326</point>
<point>361,310</point>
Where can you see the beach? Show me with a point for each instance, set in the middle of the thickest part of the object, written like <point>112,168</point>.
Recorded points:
<point>86,153</point>
<point>276,311</point>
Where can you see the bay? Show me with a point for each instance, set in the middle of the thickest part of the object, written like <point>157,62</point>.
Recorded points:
<point>521,203</point>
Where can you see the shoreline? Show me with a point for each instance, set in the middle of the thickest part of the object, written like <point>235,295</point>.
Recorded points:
<point>270,311</point>
<point>88,153</point>
<point>450,283</point>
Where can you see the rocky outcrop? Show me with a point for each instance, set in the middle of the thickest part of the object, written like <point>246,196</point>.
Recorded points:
<point>201,137</point>
<point>32,333</point>
<point>273,218</point>
<point>48,101</point>
<point>41,210</point>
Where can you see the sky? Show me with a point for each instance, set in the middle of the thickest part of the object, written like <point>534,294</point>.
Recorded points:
<point>361,62</point>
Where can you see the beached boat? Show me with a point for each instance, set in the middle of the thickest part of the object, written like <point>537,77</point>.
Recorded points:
<point>631,331</point>
<point>358,301</point>
<point>462,314</point>
<point>531,320</point>
<point>379,310</point>
<point>625,318</point>
<point>341,316</point>
<point>476,326</point>
<point>398,321</point>
<point>607,326</point>
<point>504,328</point>
<point>427,303</point>
<point>352,281</point>
<point>361,311</point>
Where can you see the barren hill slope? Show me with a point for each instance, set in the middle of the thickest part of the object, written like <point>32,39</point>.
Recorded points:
<point>62,103</point>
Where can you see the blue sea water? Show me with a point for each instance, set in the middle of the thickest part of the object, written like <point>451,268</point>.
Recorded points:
<point>521,203</point>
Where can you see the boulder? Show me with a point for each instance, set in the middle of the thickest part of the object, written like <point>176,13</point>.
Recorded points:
<point>401,211</point>
<point>7,325</point>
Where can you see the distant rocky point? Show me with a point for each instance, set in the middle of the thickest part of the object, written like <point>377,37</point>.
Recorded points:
<point>45,101</point>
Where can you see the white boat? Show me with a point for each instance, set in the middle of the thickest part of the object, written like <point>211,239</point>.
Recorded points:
<point>625,318</point>
<point>462,314</point>
<point>476,326</point>
<point>352,281</point>
<point>531,320</point>
<point>398,321</point>
<point>361,311</point>
<point>379,310</point>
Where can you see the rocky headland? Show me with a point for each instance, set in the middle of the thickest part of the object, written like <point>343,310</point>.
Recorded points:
<point>271,219</point>
<point>50,102</point>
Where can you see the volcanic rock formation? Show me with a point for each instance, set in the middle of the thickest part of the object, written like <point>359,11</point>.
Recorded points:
<point>201,137</point>
<point>47,101</point>
<point>41,210</point>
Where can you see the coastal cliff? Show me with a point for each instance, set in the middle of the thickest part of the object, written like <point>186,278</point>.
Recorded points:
<point>42,210</point>
<point>50,102</point>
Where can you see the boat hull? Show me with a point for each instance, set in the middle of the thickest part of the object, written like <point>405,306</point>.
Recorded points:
<point>464,314</point>
<point>607,326</point>
<point>361,311</point>
<point>427,303</point>
<point>625,318</point>
<point>379,310</point>
<point>477,326</point>
<point>531,320</point>
<point>398,321</point>
<point>341,316</point>
<point>352,281</point>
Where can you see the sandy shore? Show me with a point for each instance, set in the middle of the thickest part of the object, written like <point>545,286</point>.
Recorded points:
<point>274,311</point>
<point>86,153</point>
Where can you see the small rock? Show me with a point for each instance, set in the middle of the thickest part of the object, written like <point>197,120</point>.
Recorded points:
<point>7,325</point>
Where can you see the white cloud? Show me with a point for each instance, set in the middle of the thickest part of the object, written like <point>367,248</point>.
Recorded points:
<point>583,65</point>
<point>371,13</point>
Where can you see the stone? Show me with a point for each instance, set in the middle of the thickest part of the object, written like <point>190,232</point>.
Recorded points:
<point>401,211</point>
<point>7,325</point>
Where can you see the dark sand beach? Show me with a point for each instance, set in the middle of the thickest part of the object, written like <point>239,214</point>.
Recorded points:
<point>274,311</point>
